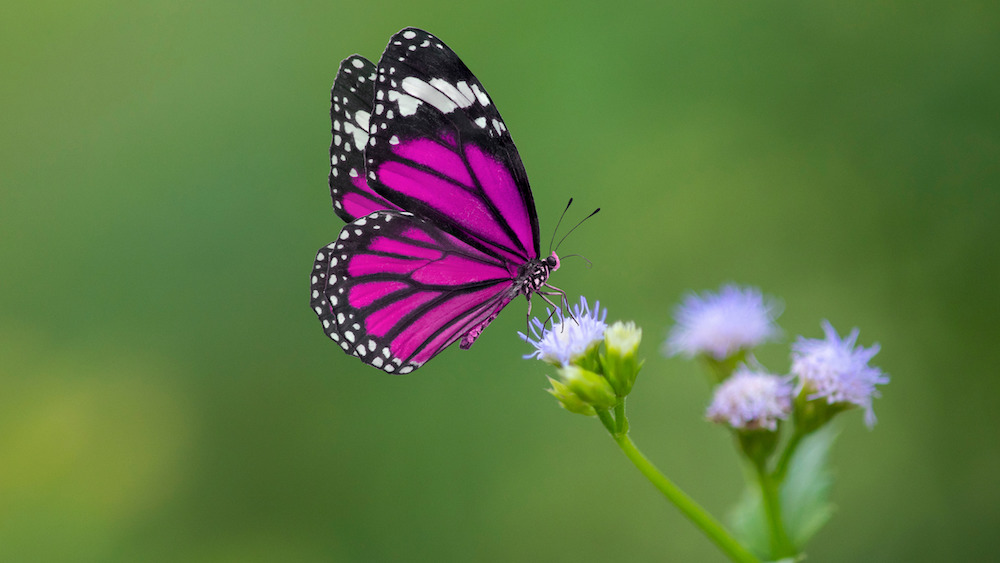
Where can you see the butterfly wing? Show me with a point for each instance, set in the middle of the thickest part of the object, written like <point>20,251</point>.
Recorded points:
<point>438,148</point>
<point>394,290</point>
<point>350,115</point>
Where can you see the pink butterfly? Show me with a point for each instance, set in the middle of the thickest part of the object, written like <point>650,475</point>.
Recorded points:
<point>442,232</point>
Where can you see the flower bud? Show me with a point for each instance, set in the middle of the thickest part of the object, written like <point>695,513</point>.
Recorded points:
<point>569,400</point>
<point>621,367</point>
<point>590,387</point>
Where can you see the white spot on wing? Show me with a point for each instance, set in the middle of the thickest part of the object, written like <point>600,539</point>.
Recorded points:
<point>359,129</point>
<point>480,95</point>
<point>407,104</point>
<point>463,88</point>
<point>481,121</point>
<point>424,91</point>
<point>455,94</point>
<point>357,63</point>
<point>362,117</point>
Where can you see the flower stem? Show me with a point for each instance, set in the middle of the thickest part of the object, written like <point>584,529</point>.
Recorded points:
<point>694,512</point>
<point>621,423</point>
<point>781,546</point>
<point>778,475</point>
<point>607,420</point>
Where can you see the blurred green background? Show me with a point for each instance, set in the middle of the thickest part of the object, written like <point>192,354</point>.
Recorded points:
<point>166,394</point>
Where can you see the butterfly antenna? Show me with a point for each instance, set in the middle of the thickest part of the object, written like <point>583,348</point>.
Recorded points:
<point>589,263</point>
<point>577,225</point>
<point>559,222</point>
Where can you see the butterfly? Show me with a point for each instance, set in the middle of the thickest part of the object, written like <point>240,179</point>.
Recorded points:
<point>441,228</point>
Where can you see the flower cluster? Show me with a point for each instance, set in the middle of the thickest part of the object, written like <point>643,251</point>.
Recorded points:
<point>590,378</point>
<point>827,376</point>
<point>596,366</point>
<point>830,375</point>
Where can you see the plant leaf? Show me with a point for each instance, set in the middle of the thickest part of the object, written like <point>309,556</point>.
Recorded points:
<point>747,518</point>
<point>805,493</point>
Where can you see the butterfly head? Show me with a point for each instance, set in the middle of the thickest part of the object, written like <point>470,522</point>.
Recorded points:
<point>552,262</point>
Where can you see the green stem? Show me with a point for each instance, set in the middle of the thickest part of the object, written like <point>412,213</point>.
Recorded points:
<point>781,469</point>
<point>695,513</point>
<point>607,420</point>
<point>781,546</point>
<point>621,423</point>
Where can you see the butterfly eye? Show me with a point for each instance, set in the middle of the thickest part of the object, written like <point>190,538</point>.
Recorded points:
<point>552,262</point>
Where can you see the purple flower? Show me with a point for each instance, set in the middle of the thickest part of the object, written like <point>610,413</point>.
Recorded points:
<point>568,339</point>
<point>751,400</point>
<point>836,370</point>
<point>721,324</point>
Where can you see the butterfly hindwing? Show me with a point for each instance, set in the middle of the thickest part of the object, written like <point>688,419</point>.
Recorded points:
<point>350,117</point>
<point>439,149</point>
<point>394,290</point>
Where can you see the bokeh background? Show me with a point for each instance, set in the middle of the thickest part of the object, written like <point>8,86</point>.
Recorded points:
<point>166,394</point>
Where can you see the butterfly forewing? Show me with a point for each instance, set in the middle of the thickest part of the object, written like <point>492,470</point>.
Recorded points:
<point>439,149</point>
<point>398,290</point>
<point>350,116</point>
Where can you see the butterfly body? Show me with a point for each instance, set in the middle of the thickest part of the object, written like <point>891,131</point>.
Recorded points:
<point>442,232</point>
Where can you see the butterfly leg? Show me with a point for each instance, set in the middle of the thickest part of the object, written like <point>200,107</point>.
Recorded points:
<point>555,308</point>
<point>552,312</point>
<point>556,291</point>
<point>562,297</point>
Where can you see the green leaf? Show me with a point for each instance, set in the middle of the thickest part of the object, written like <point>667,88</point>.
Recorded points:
<point>805,497</point>
<point>805,493</point>
<point>747,518</point>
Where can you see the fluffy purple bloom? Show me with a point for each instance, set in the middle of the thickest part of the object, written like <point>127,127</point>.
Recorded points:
<point>751,400</point>
<point>836,370</point>
<point>721,324</point>
<point>569,338</point>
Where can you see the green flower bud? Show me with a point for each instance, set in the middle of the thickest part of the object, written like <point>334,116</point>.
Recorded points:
<point>590,387</point>
<point>569,400</point>
<point>620,363</point>
<point>623,338</point>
